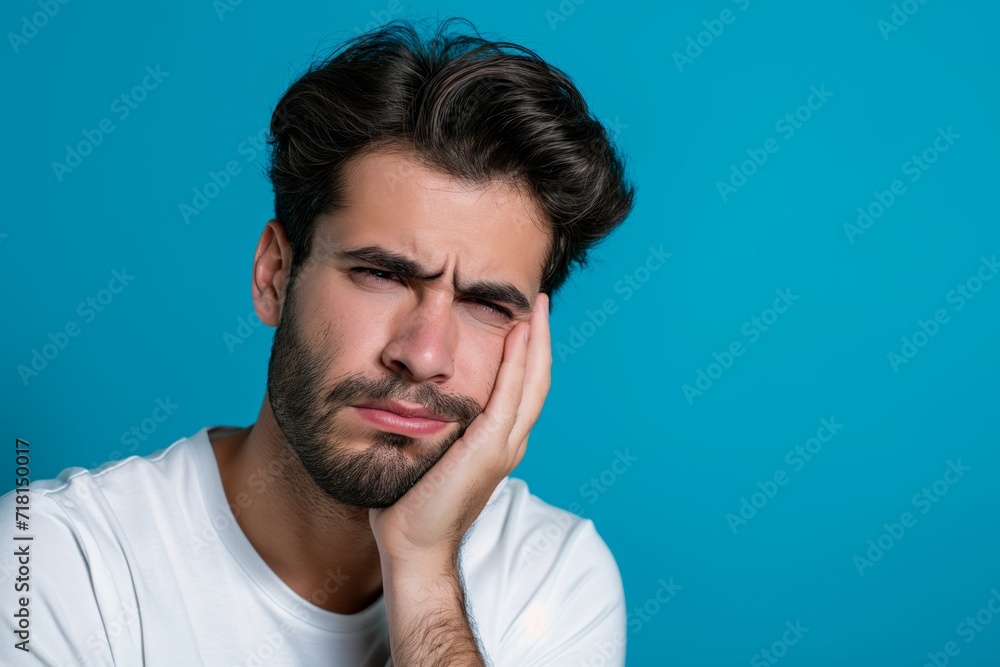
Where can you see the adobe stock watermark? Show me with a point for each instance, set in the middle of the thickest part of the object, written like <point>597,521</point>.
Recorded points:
<point>796,458</point>
<point>30,25</point>
<point>245,327</point>
<point>591,491</point>
<point>786,126</point>
<point>627,287</point>
<point>114,626</point>
<point>122,107</point>
<point>638,618</point>
<point>562,12</point>
<point>913,168</point>
<point>926,330</point>
<point>695,46</point>
<point>752,329</point>
<point>87,310</point>
<point>967,630</point>
<point>779,648</point>
<point>269,646</point>
<point>139,433</point>
<point>227,513</point>
<point>900,14</point>
<point>331,585</point>
<point>642,614</point>
<point>924,500</point>
<point>276,639</point>
<point>223,7</point>
<point>249,149</point>
<point>380,16</point>
<point>599,485</point>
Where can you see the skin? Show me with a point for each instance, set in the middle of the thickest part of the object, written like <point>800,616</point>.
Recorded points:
<point>427,337</point>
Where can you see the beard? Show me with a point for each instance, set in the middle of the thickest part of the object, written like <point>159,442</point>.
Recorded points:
<point>306,411</point>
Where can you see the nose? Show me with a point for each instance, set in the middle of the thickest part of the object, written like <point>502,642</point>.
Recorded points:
<point>422,345</point>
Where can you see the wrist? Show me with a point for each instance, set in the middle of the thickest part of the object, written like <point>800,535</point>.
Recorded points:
<point>407,560</point>
<point>414,570</point>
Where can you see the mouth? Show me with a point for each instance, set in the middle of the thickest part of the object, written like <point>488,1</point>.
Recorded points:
<point>400,418</point>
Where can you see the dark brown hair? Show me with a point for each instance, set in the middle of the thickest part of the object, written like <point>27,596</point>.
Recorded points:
<point>475,109</point>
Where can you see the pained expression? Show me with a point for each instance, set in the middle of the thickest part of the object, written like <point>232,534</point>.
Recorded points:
<point>375,315</point>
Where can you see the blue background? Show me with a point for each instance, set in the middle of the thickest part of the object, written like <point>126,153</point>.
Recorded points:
<point>619,388</point>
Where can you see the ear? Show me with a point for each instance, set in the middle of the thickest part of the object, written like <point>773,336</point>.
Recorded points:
<point>271,265</point>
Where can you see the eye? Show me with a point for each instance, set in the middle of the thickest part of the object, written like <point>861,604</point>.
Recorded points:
<point>374,276</point>
<point>366,274</point>
<point>494,309</point>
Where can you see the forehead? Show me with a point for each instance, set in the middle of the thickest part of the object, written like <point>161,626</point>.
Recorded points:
<point>391,200</point>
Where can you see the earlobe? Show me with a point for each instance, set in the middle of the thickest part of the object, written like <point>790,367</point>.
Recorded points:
<point>271,264</point>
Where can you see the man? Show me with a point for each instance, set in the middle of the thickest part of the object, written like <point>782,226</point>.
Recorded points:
<point>429,196</point>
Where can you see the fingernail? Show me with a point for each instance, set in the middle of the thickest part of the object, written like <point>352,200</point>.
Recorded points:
<point>526,330</point>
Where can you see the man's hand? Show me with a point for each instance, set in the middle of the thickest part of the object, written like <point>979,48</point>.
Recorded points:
<point>427,524</point>
<point>419,536</point>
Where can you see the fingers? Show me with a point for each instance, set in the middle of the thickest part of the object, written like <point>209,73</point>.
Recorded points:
<point>522,384</point>
<point>501,409</point>
<point>538,371</point>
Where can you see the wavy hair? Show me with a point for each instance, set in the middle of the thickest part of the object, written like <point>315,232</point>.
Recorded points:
<point>475,109</point>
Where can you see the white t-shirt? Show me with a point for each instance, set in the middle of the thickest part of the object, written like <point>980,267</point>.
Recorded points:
<point>141,562</point>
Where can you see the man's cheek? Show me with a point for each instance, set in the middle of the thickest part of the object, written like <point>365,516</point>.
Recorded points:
<point>493,360</point>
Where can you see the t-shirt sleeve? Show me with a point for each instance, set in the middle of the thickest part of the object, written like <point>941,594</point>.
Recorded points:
<point>575,614</point>
<point>51,614</point>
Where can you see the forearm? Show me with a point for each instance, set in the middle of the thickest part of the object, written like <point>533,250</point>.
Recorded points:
<point>428,624</point>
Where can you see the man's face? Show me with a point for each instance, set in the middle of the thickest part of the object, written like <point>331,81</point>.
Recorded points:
<point>355,328</point>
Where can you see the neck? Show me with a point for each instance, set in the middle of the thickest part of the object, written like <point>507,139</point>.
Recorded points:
<point>322,550</point>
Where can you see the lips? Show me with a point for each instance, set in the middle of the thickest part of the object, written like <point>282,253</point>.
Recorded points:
<point>399,418</point>
<point>402,410</point>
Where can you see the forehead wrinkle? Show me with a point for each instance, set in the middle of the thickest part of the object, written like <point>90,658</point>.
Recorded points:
<point>498,290</point>
<point>400,261</point>
<point>487,288</point>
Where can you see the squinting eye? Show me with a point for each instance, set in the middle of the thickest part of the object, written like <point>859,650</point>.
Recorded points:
<point>371,275</point>
<point>378,276</point>
<point>502,312</point>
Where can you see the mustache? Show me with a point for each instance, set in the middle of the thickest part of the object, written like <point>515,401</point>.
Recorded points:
<point>360,388</point>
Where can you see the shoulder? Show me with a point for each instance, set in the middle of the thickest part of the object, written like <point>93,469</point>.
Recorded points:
<point>85,515</point>
<point>82,511</point>
<point>74,563</point>
<point>533,531</point>
<point>62,563</point>
<point>117,486</point>
<point>550,581</point>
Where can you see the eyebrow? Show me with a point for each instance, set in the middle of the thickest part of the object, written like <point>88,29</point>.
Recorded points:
<point>402,265</point>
